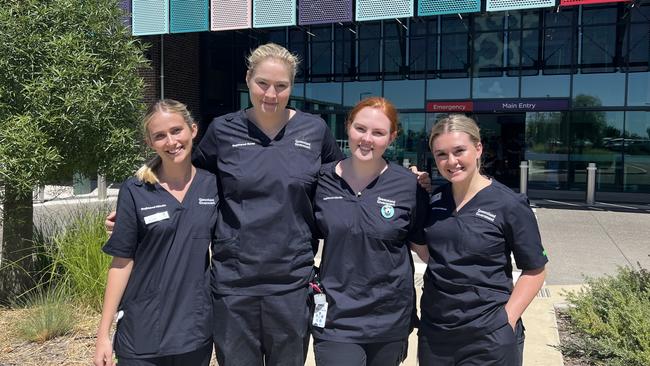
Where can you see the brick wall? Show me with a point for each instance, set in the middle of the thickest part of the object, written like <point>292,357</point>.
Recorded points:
<point>181,70</point>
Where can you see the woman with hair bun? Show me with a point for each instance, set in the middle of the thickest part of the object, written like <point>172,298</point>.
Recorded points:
<point>158,281</point>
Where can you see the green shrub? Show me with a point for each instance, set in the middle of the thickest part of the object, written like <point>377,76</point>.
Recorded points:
<point>610,319</point>
<point>78,262</point>
<point>49,315</point>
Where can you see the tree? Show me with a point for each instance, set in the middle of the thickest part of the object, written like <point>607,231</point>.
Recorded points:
<point>70,101</point>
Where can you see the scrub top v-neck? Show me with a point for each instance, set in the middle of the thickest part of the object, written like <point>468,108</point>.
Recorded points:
<point>167,303</point>
<point>469,275</point>
<point>366,268</point>
<point>264,243</point>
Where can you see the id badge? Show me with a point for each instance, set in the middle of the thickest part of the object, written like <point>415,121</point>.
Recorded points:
<point>320,311</point>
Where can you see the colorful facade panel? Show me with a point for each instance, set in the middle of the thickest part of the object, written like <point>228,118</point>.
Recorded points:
<point>188,16</point>
<point>501,5</point>
<point>439,7</point>
<point>274,13</point>
<point>150,17</point>
<point>324,11</point>
<point>383,9</point>
<point>230,14</point>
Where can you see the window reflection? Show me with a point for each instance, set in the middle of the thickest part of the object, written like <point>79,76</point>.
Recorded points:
<point>638,89</point>
<point>547,149</point>
<point>592,137</point>
<point>595,90</point>
<point>447,89</point>
<point>407,94</point>
<point>637,152</point>
<point>356,91</point>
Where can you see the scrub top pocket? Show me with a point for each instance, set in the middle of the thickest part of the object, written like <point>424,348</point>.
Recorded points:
<point>138,332</point>
<point>304,165</point>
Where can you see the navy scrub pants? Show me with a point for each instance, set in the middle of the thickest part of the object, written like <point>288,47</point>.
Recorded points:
<point>199,357</point>
<point>502,347</point>
<point>330,353</point>
<point>270,330</point>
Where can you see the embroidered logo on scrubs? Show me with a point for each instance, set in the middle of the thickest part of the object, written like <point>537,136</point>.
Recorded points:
<point>207,201</point>
<point>486,215</point>
<point>242,144</point>
<point>303,144</point>
<point>383,201</point>
<point>152,207</point>
<point>332,198</point>
<point>387,211</point>
<point>436,197</point>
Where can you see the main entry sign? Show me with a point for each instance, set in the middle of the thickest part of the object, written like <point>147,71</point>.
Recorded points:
<point>522,105</point>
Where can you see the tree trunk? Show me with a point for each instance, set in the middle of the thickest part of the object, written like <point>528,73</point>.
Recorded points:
<point>17,247</point>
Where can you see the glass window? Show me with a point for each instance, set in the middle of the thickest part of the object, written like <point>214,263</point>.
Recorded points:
<point>489,22</point>
<point>321,61</point>
<point>637,152</point>
<point>394,54</point>
<point>278,36</point>
<point>545,86</point>
<point>447,89</point>
<point>369,51</point>
<point>405,93</point>
<point>601,48</point>
<point>640,13</point>
<point>297,45</point>
<point>566,17</point>
<point>410,147</point>
<point>595,90</point>
<point>499,87</point>
<point>559,44</point>
<point>599,14</point>
<point>454,55</point>
<point>324,94</point>
<point>488,54</point>
<point>421,54</point>
<point>590,139</point>
<point>637,46</point>
<point>547,149</point>
<point>353,92</point>
<point>298,90</point>
<point>638,89</point>
<point>344,50</point>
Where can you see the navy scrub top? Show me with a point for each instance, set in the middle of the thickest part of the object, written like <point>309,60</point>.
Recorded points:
<point>264,243</point>
<point>469,275</point>
<point>366,269</point>
<point>167,302</point>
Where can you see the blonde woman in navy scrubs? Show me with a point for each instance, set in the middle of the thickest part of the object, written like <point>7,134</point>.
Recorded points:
<point>367,210</point>
<point>158,282</point>
<point>470,310</point>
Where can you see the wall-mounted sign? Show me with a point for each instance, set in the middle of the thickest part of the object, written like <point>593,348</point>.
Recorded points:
<point>450,107</point>
<point>521,105</point>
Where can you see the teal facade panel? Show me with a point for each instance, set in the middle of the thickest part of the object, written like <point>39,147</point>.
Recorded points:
<point>150,17</point>
<point>188,16</point>
<point>274,13</point>
<point>440,7</point>
<point>383,9</point>
<point>502,5</point>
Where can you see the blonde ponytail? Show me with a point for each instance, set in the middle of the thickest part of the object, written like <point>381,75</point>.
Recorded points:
<point>147,172</point>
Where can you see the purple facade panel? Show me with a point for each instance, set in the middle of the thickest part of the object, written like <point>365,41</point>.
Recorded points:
<point>324,11</point>
<point>126,6</point>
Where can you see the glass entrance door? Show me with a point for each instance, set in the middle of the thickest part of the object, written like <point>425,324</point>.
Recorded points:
<point>503,137</point>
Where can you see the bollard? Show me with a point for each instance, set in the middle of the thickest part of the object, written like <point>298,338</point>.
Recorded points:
<point>41,194</point>
<point>591,183</point>
<point>101,187</point>
<point>523,177</point>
